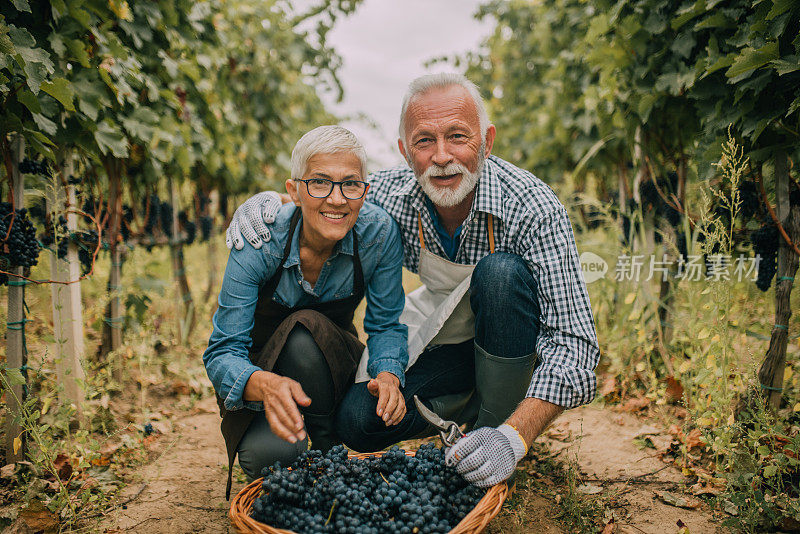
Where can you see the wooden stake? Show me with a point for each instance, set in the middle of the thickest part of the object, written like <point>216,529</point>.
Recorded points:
<point>770,375</point>
<point>212,206</point>
<point>67,316</point>
<point>187,322</point>
<point>113,319</point>
<point>15,332</point>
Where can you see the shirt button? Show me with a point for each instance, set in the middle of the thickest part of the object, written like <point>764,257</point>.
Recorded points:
<point>299,282</point>
<point>475,219</point>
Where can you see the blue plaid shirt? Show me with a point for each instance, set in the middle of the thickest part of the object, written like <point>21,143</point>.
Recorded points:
<point>531,222</point>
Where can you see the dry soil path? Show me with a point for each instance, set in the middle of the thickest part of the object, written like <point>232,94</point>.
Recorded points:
<point>183,489</point>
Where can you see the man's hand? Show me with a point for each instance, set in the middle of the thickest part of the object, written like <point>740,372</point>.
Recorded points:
<point>391,405</point>
<point>250,220</point>
<point>280,396</point>
<point>487,456</point>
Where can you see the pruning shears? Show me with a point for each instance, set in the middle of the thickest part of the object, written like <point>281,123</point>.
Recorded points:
<point>448,430</point>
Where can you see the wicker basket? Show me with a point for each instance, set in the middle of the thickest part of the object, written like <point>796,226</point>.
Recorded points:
<point>474,522</point>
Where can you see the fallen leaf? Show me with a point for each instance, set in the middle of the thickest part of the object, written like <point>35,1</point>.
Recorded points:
<point>589,489</point>
<point>681,501</point>
<point>609,528</point>
<point>7,471</point>
<point>38,518</point>
<point>694,441</point>
<point>636,405</point>
<point>682,528</point>
<point>609,387</point>
<point>63,466</point>
<point>17,444</point>
<point>704,489</point>
<point>101,460</point>
<point>674,391</point>
<point>729,508</point>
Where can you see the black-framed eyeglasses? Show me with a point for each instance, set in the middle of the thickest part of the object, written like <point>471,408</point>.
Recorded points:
<point>322,187</point>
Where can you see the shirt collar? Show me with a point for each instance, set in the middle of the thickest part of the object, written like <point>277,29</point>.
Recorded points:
<point>344,246</point>
<point>488,197</point>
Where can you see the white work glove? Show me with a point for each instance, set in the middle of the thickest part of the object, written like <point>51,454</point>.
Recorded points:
<point>250,220</point>
<point>487,456</point>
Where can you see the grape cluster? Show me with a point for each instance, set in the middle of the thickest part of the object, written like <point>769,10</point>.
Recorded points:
<point>749,199</point>
<point>21,249</point>
<point>86,241</point>
<point>165,216</point>
<point>190,227</point>
<point>31,166</point>
<point>205,228</point>
<point>765,244</point>
<point>151,206</point>
<point>393,493</point>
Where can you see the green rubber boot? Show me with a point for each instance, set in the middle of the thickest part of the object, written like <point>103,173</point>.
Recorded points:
<point>501,384</point>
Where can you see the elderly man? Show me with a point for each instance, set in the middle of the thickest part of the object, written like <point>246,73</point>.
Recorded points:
<point>501,335</point>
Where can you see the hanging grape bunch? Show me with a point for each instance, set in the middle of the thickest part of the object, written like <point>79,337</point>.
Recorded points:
<point>125,224</point>
<point>188,226</point>
<point>765,246</point>
<point>165,217</point>
<point>18,247</point>
<point>392,493</point>
<point>749,200</point>
<point>205,228</point>
<point>204,220</point>
<point>85,240</point>
<point>32,166</point>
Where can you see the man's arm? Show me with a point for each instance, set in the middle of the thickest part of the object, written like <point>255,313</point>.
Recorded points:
<point>532,416</point>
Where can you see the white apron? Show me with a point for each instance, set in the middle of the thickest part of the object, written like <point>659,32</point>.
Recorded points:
<point>437,312</point>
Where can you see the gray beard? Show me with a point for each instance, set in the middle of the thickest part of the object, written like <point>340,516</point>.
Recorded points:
<point>444,196</point>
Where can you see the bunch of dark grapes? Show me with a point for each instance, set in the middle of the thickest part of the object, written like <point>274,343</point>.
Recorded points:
<point>393,493</point>
<point>165,216</point>
<point>87,244</point>
<point>205,227</point>
<point>21,248</point>
<point>32,166</point>
<point>188,226</point>
<point>152,207</point>
<point>765,244</point>
<point>750,201</point>
<point>127,219</point>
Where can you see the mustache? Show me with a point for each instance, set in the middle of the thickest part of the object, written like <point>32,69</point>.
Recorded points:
<point>449,169</point>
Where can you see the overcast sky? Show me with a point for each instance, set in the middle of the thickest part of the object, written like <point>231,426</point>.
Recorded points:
<point>384,45</point>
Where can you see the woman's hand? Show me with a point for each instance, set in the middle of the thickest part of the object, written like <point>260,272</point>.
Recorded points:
<point>280,396</point>
<point>391,405</point>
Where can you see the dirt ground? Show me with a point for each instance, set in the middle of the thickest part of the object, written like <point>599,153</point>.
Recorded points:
<point>183,489</point>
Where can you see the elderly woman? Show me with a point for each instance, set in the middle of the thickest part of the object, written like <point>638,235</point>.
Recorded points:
<point>284,349</point>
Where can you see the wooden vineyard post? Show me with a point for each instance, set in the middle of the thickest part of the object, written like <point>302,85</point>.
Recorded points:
<point>212,207</point>
<point>15,332</point>
<point>112,338</point>
<point>770,375</point>
<point>67,312</point>
<point>187,321</point>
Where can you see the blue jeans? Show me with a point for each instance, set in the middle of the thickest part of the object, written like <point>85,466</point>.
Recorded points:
<point>504,299</point>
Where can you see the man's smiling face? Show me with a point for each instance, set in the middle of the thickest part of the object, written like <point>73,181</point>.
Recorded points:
<point>444,144</point>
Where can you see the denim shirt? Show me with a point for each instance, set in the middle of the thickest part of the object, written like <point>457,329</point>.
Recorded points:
<point>227,359</point>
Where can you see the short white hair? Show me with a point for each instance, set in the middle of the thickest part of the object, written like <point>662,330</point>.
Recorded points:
<point>442,80</point>
<point>330,139</point>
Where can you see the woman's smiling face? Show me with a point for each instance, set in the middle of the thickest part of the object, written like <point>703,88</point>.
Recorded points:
<point>327,220</point>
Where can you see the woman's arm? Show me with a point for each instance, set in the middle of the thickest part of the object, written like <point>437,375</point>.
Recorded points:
<point>227,358</point>
<point>388,338</point>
